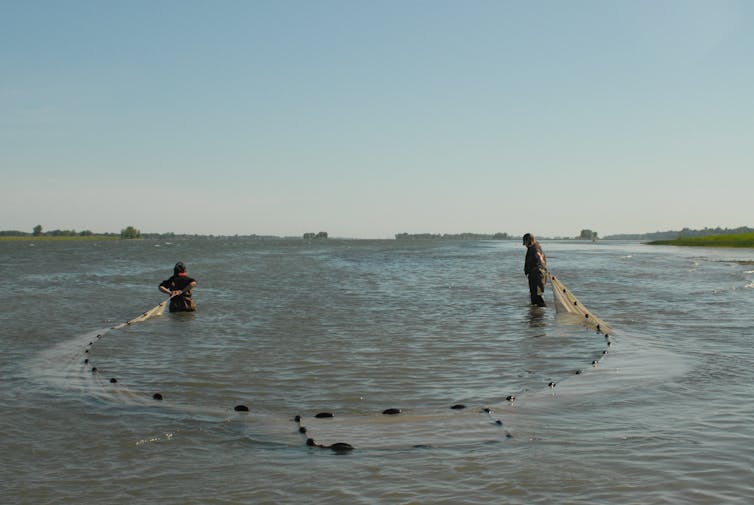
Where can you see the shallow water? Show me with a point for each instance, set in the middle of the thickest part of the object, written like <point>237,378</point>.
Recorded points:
<point>355,327</point>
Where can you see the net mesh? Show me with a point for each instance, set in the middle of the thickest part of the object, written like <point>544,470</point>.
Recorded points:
<point>157,310</point>
<point>566,301</point>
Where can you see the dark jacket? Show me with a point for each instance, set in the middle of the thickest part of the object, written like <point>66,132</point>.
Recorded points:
<point>535,258</point>
<point>182,302</point>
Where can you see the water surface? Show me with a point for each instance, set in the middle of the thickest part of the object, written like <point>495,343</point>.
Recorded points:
<point>355,327</point>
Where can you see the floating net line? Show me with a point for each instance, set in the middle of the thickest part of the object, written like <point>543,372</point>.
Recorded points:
<point>458,423</point>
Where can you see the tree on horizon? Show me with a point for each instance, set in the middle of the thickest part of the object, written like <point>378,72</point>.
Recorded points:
<point>588,235</point>
<point>130,232</point>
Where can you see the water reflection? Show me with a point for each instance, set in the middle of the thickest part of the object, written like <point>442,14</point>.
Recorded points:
<point>536,316</point>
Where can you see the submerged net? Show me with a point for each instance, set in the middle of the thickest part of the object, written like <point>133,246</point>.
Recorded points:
<point>566,301</point>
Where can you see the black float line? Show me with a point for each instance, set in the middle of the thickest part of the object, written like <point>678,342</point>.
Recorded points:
<point>337,447</point>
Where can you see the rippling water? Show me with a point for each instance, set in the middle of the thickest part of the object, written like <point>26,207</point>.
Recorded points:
<point>356,327</point>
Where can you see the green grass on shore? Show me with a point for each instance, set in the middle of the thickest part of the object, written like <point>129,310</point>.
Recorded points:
<point>734,240</point>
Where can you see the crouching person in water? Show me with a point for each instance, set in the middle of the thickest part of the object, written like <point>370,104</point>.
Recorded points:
<point>535,268</point>
<point>179,288</point>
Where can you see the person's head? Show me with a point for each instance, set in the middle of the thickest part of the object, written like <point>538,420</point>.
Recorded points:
<point>179,268</point>
<point>528,239</point>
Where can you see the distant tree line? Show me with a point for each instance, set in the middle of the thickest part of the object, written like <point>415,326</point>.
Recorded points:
<point>37,232</point>
<point>449,236</point>
<point>131,232</point>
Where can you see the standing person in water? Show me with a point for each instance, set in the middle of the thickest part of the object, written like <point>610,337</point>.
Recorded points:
<point>535,268</point>
<point>179,288</point>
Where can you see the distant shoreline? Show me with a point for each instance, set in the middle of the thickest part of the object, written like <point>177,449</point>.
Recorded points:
<point>732,240</point>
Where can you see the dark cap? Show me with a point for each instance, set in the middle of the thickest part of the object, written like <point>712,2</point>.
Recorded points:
<point>179,267</point>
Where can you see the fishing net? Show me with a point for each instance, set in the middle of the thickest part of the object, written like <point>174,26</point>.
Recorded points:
<point>157,310</point>
<point>566,302</point>
<point>393,428</point>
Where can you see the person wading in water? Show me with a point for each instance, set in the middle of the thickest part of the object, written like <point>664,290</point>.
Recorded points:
<point>535,268</point>
<point>179,288</point>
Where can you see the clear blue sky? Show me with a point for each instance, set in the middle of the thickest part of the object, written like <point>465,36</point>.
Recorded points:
<point>370,118</point>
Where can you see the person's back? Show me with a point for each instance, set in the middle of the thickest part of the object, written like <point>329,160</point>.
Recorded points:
<point>535,258</point>
<point>179,287</point>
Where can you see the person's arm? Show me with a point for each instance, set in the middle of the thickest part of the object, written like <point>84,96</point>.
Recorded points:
<point>186,289</point>
<point>165,288</point>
